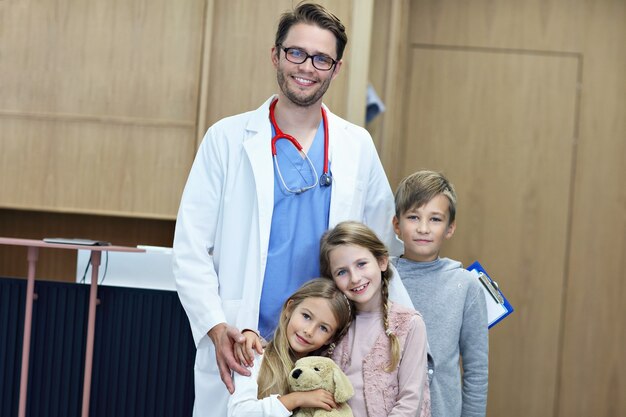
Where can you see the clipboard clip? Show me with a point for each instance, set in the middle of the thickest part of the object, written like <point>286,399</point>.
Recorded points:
<point>492,287</point>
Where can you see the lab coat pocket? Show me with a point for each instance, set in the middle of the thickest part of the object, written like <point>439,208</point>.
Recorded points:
<point>359,195</point>
<point>205,354</point>
<point>350,197</point>
<point>211,394</point>
<point>205,359</point>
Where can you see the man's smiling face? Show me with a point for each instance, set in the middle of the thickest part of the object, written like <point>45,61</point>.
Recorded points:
<point>303,84</point>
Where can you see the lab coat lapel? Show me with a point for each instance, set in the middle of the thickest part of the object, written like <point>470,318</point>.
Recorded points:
<point>341,154</point>
<point>257,147</point>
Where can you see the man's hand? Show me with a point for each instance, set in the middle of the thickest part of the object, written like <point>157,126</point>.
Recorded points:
<point>224,337</point>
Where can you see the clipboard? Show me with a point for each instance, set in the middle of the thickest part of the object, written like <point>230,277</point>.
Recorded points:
<point>75,241</point>
<point>498,307</point>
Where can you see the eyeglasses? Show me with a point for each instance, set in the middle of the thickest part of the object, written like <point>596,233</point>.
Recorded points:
<point>298,56</point>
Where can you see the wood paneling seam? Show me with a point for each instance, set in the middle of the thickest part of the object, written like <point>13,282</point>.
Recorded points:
<point>568,239</point>
<point>82,118</point>
<point>576,55</point>
<point>205,67</point>
<point>110,213</point>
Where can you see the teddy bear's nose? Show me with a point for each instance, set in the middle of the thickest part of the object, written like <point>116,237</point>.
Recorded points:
<point>296,373</point>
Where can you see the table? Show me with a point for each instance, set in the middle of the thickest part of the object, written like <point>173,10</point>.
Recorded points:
<point>32,256</point>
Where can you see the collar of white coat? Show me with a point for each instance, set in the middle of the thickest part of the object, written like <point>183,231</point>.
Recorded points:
<point>259,123</point>
<point>346,154</point>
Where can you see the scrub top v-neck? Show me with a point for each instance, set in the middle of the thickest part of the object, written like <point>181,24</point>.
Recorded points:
<point>298,222</point>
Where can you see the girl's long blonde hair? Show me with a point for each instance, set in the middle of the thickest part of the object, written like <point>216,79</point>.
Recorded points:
<point>278,359</point>
<point>357,234</point>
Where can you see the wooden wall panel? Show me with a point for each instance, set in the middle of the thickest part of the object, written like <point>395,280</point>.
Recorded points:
<point>586,377</point>
<point>389,59</point>
<point>98,104</point>
<point>542,25</point>
<point>501,126</point>
<point>594,337</point>
<point>94,168</point>
<point>358,55</point>
<point>378,63</point>
<point>123,58</point>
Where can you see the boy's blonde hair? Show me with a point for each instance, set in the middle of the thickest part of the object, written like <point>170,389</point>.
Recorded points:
<point>278,358</point>
<point>422,186</point>
<point>358,234</point>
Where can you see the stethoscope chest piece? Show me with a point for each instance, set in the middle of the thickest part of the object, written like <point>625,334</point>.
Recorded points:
<point>326,180</point>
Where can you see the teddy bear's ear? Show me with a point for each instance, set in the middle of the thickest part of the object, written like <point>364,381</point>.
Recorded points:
<point>343,386</point>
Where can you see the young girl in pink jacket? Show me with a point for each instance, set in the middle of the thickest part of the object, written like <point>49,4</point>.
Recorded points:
<point>384,353</point>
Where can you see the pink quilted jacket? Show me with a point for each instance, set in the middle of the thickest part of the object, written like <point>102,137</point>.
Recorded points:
<point>381,388</point>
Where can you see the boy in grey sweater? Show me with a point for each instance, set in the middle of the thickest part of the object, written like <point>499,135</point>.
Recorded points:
<point>449,297</point>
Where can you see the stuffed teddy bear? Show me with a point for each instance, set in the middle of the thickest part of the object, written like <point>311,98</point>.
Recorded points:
<point>313,372</point>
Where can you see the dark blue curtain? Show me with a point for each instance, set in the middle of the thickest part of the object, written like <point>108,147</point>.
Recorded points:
<point>143,352</point>
<point>12,293</point>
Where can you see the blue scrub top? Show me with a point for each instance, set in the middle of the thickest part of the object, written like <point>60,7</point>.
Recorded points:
<point>298,222</point>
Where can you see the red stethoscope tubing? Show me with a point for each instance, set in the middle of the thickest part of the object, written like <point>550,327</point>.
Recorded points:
<point>281,135</point>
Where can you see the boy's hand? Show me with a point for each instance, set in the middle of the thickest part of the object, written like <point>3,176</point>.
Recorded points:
<point>244,352</point>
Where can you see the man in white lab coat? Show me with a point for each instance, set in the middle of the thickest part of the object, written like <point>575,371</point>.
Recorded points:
<point>249,223</point>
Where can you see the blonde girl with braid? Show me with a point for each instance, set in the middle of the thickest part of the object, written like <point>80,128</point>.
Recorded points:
<point>311,320</point>
<point>384,352</point>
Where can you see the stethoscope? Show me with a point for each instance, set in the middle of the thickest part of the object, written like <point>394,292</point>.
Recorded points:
<point>325,180</point>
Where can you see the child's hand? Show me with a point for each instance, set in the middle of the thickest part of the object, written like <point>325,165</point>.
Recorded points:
<point>318,398</point>
<point>244,351</point>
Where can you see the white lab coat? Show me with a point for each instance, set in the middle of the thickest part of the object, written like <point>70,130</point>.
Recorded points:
<point>223,227</point>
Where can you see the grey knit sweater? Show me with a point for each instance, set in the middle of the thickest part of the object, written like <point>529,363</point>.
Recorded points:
<point>452,304</point>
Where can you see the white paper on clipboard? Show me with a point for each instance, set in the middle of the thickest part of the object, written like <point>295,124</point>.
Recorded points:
<point>498,307</point>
